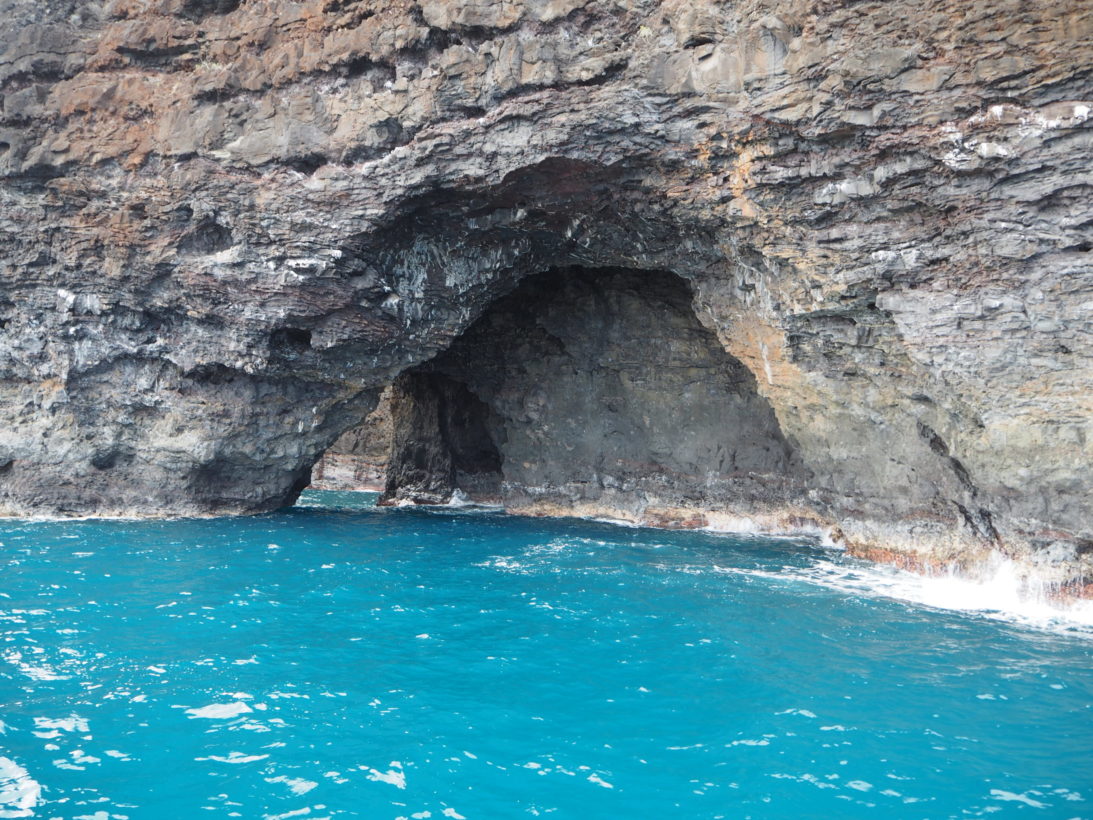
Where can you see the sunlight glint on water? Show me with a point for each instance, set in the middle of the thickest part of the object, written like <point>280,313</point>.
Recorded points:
<point>342,661</point>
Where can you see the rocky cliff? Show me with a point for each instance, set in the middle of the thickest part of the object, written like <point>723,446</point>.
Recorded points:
<point>227,225</point>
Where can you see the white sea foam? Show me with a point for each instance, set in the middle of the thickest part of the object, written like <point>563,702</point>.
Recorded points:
<point>298,785</point>
<point>1010,797</point>
<point>459,499</point>
<point>1002,591</point>
<point>463,503</point>
<point>395,775</point>
<point>306,810</point>
<point>617,522</point>
<point>233,758</point>
<point>68,724</point>
<point>33,671</point>
<point>220,710</point>
<point>19,792</point>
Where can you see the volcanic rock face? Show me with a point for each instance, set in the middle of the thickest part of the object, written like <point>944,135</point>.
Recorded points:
<point>225,227</point>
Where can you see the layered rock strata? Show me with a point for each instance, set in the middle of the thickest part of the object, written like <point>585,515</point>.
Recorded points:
<point>225,227</point>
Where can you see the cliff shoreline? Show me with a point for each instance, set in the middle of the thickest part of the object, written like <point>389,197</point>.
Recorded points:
<point>859,234</point>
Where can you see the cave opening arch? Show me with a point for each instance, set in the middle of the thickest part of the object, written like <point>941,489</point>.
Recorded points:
<point>587,390</point>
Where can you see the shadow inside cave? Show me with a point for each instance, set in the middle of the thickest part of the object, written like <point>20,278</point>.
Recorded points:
<point>581,387</point>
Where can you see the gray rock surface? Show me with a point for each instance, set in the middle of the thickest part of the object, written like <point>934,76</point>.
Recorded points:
<point>358,460</point>
<point>225,227</point>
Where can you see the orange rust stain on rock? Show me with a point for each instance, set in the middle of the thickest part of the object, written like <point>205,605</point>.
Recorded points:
<point>912,562</point>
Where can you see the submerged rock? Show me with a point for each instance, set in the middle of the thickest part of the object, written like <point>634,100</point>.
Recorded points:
<point>225,227</point>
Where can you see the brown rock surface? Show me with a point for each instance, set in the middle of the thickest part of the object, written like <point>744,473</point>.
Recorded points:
<point>226,225</point>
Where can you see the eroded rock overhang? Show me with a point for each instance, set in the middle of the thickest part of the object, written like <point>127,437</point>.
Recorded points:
<point>226,226</point>
<point>594,392</point>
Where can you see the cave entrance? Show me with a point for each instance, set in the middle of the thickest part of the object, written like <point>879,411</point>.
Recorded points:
<point>590,390</point>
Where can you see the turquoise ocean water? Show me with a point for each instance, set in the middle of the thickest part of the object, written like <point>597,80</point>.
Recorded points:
<point>341,661</point>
